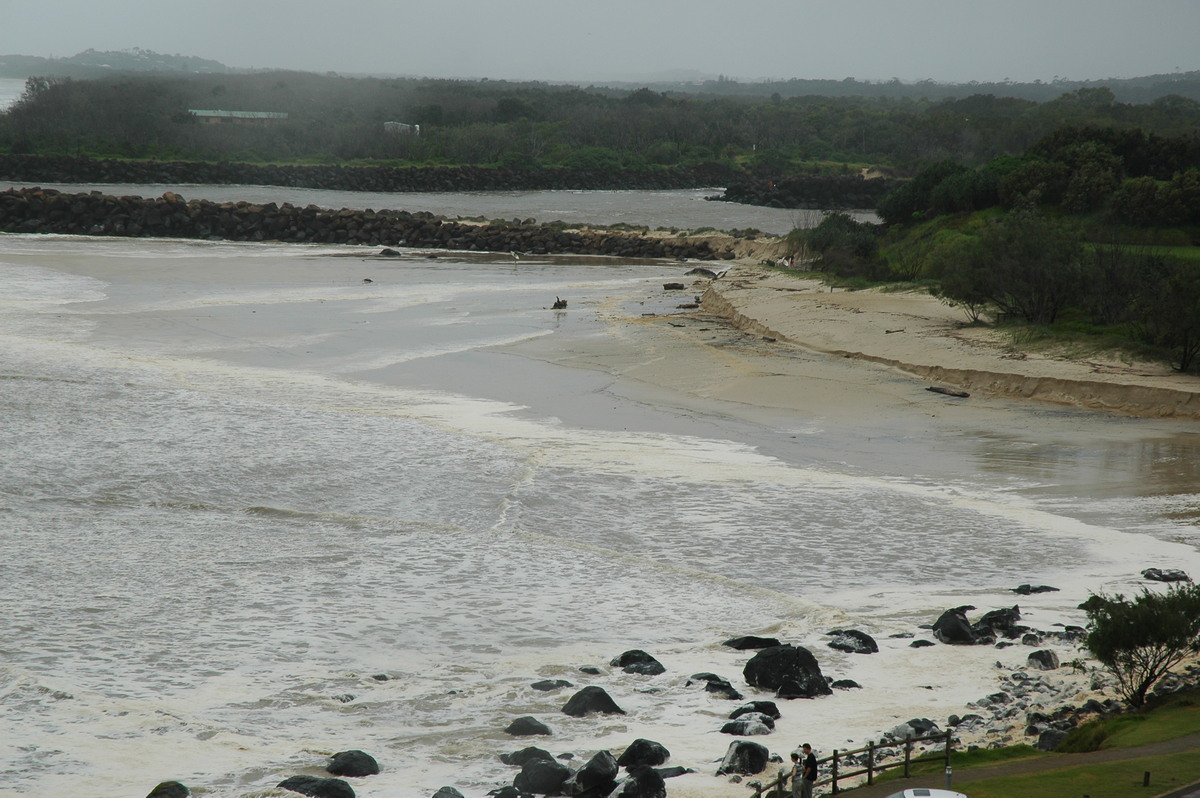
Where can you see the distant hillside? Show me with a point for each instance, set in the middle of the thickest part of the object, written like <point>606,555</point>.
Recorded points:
<point>94,63</point>
<point>1127,90</point>
<point>677,83</point>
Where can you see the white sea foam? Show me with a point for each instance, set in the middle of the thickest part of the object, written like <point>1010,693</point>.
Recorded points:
<point>210,551</point>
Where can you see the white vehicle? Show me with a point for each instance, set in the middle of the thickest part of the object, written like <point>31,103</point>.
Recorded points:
<point>926,792</point>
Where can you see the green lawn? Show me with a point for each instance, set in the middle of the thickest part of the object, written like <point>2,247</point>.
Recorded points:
<point>1110,780</point>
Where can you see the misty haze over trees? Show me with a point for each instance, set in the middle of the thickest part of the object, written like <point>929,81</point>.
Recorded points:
<point>1079,211</point>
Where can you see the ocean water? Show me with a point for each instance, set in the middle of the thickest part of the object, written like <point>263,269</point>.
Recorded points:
<point>255,509</point>
<point>11,90</point>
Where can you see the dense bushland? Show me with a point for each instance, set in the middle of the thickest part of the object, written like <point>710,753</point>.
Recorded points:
<point>532,125</point>
<point>1090,232</point>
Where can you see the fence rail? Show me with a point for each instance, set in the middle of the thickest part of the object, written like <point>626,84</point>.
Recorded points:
<point>776,787</point>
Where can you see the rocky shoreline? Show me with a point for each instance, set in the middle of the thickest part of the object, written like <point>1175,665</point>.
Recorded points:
<point>66,169</point>
<point>36,210</point>
<point>801,191</point>
<point>810,192</point>
<point>1034,705</point>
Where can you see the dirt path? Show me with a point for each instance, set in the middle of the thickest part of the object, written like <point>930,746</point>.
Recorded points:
<point>962,780</point>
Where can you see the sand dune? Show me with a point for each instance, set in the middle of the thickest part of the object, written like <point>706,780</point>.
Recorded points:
<point>917,334</point>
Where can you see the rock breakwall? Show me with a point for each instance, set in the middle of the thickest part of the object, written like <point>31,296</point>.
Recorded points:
<point>815,192</point>
<point>36,210</point>
<point>46,169</point>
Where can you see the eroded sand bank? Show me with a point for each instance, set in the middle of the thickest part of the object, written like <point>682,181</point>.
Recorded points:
<point>919,335</point>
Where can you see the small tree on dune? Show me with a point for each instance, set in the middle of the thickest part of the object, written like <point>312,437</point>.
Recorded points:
<point>1141,640</point>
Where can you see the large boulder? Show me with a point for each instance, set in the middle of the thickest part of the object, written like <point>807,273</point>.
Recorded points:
<point>643,782</point>
<point>750,643</point>
<point>542,776</point>
<point>643,752</point>
<point>169,789</point>
<point>597,777</point>
<point>792,666</point>
<point>447,792</point>
<point>717,685</point>
<point>317,787</point>
<point>953,627</point>
<point>352,763</point>
<point>527,726</point>
<point>1165,575</point>
<point>1043,660</point>
<point>519,758</point>
<point>549,685</point>
<point>853,641</point>
<point>767,708</point>
<point>589,700</point>
<point>638,661</point>
<point>917,727</point>
<point>1000,623</point>
<point>749,725</point>
<point>745,758</point>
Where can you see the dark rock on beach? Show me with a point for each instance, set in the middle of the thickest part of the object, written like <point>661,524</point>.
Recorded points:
<point>790,667</point>
<point>643,781</point>
<point>767,708</point>
<point>749,725</point>
<point>750,643</point>
<point>1043,660</point>
<point>1165,575</point>
<point>717,685</point>
<point>317,787</point>
<point>953,627</point>
<point>589,700</point>
<point>744,758</point>
<point>519,758</point>
<point>638,661</point>
<point>353,763</point>
<point>1026,590</point>
<point>541,776</point>
<point>597,777</point>
<point>852,641</point>
<point>169,789</point>
<point>527,726</point>
<point>549,685</point>
<point>917,727</point>
<point>643,752</point>
<point>447,792</point>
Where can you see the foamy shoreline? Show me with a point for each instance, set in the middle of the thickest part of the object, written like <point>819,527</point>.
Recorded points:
<point>917,334</point>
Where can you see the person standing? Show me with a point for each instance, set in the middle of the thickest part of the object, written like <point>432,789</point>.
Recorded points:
<point>808,773</point>
<point>796,775</point>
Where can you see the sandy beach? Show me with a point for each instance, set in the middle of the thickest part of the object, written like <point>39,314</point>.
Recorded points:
<point>919,335</point>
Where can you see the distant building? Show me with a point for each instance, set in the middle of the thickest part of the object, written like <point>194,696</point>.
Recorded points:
<point>237,117</point>
<point>402,127</point>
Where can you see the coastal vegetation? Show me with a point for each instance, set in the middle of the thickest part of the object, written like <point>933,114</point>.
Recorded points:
<point>768,132</point>
<point>1088,234</point>
<point>1141,639</point>
<point>1071,217</point>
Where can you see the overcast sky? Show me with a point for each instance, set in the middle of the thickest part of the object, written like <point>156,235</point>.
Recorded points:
<point>573,40</point>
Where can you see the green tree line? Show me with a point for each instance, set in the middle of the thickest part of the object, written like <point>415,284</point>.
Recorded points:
<point>341,119</point>
<point>1092,228</point>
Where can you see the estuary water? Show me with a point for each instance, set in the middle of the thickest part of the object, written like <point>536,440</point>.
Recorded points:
<point>260,503</point>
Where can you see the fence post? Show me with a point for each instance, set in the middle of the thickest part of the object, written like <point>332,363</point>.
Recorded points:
<point>907,755</point>
<point>833,771</point>
<point>870,762</point>
<point>947,748</point>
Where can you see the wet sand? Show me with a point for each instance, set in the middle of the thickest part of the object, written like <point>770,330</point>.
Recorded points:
<point>919,335</point>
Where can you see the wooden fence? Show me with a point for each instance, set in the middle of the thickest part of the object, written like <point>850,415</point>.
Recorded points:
<point>832,765</point>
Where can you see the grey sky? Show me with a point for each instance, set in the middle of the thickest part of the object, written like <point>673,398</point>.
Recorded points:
<point>943,40</point>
